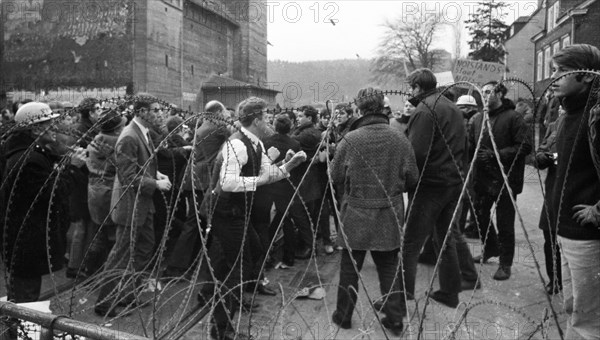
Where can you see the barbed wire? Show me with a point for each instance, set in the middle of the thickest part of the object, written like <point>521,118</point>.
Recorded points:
<point>94,283</point>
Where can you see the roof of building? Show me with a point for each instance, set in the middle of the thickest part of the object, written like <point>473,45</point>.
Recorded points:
<point>522,19</point>
<point>222,83</point>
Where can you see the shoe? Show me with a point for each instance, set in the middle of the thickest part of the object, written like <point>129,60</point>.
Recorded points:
<point>379,303</point>
<point>445,298</point>
<point>248,305</point>
<point>337,319</point>
<point>283,265</point>
<point>485,257</point>
<point>261,289</point>
<point>470,285</point>
<point>503,273</point>
<point>304,254</point>
<point>551,289</point>
<point>133,303</point>
<point>228,335</point>
<point>107,312</point>
<point>329,249</point>
<point>394,327</point>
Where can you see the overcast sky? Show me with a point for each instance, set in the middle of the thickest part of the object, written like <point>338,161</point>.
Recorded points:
<point>302,30</point>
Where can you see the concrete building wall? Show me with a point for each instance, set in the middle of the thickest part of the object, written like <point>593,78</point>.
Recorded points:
<point>50,45</point>
<point>208,50</point>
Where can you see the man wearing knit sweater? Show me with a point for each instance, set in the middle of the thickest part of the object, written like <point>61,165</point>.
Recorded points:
<point>576,194</point>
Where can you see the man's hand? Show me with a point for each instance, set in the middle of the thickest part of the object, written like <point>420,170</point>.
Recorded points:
<point>78,157</point>
<point>163,184</point>
<point>187,147</point>
<point>485,155</point>
<point>273,153</point>
<point>323,155</point>
<point>543,160</point>
<point>288,155</point>
<point>297,159</point>
<point>587,214</point>
<point>161,176</point>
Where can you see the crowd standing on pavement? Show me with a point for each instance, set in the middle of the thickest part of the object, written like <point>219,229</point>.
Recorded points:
<point>119,187</point>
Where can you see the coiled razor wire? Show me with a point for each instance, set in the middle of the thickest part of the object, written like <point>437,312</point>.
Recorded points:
<point>178,319</point>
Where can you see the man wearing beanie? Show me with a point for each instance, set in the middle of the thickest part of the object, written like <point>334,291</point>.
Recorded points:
<point>576,193</point>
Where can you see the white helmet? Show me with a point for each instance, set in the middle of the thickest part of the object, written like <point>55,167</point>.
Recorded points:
<point>33,113</point>
<point>466,100</point>
<point>386,101</point>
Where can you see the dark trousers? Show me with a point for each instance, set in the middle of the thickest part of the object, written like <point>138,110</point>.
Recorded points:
<point>24,289</point>
<point>552,256</point>
<point>320,216</point>
<point>120,283</point>
<point>386,263</point>
<point>431,210</point>
<point>169,213</point>
<point>468,271</point>
<point>188,244</point>
<point>306,230</point>
<point>261,220</point>
<point>294,215</point>
<point>233,234</point>
<point>503,242</point>
<point>551,248</point>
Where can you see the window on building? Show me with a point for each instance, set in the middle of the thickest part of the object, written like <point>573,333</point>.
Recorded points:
<point>552,15</point>
<point>166,60</point>
<point>192,69</point>
<point>540,66</point>
<point>546,62</point>
<point>555,47</point>
<point>566,41</point>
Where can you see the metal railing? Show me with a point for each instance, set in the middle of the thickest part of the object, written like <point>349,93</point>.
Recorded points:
<point>50,323</point>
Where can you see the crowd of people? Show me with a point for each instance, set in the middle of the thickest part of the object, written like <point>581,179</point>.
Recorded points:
<point>118,189</point>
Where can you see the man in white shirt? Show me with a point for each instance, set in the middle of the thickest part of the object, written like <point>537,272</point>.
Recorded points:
<point>244,166</point>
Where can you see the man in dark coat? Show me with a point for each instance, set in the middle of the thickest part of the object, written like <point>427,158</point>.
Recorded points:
<point>311,189</point>
<point>208,139</point>
<point>34,221</point>
<point>438,135</point>
<point>576,193</point>
<point>283,191</point>
<point>375,165</point>
<point>512,138</point>
<point>344,115</point>
<point>133,208</point>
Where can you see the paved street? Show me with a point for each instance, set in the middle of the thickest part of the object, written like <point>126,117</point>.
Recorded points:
<point>512,309</point>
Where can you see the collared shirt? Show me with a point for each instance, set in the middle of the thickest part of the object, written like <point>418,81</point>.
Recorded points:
<point>144,129</point>
<point>235,156</point>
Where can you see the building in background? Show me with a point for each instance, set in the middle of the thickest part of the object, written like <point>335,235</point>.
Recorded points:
<point>187,52</point>
<point>520,57</point>
<point>566,22</point>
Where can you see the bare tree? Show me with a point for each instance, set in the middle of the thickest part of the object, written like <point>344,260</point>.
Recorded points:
<point>406,46</point>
